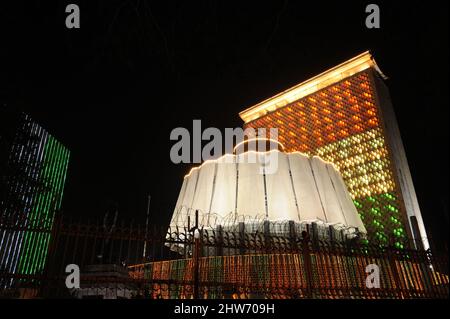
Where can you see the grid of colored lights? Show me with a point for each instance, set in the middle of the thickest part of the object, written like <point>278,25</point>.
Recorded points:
<point>334,113</point>
<point>373,209</point>
<point>45,204</point>
<point>363,162</point>
<point>341,124</point>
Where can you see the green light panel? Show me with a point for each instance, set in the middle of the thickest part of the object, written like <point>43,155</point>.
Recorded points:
<point>46,202</point>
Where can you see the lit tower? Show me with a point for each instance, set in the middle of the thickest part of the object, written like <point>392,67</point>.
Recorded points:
<point>345,116</point>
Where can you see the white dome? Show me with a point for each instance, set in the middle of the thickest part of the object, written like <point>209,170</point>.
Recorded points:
<point>234,188</point>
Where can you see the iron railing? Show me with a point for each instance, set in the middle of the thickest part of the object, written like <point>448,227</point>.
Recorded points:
<point>213,263</point>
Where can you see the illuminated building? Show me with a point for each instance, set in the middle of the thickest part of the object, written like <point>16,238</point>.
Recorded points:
<point>341,119</point>
<point>33,171</point>
<point>345,116</point>
<point>239,188</point>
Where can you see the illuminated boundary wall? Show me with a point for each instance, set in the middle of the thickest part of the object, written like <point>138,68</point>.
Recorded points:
<point>286,276</point>
<point>345,116</point>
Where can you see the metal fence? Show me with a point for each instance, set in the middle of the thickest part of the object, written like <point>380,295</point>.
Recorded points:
<point>130,261</point>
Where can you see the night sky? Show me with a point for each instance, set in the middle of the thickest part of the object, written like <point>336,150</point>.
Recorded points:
<point>113,90</point>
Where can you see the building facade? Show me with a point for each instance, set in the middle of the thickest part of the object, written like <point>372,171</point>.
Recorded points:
<point>33,168</point>
<point>249,189</point>
<point>345,116</point>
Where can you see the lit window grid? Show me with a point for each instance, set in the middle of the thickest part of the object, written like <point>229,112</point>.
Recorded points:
<point>342,125</point>
<point>45,160</point>
<point>321,118</point>
<point>53,171</point>
<point>381,217</point>
<point>363,162</point>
